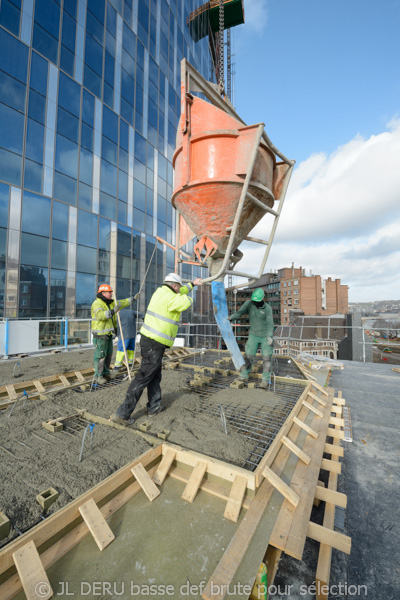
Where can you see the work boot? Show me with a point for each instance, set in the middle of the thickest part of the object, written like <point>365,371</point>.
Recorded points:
<point>264,384</point>
<point>243,374</point>
<point>125,422</point>
<point>116,369</point>
<point>101,380</point>
<point>109,376</point>
<point>156,412</point>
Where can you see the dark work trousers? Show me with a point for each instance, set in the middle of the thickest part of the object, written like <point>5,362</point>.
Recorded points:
<point>149,375</point>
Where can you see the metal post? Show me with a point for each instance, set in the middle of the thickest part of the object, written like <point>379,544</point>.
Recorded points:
<point>6,333</point>
<point>363,330</point>
<point>66,334</point>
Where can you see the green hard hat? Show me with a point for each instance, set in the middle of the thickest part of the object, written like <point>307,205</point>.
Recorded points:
<point>258,295</point>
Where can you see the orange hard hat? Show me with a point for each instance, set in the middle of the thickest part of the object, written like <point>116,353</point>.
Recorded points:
<point>104,287</point>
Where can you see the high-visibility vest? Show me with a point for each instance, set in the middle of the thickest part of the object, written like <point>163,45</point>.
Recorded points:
<point>163,313</point>
<point>103,323</point>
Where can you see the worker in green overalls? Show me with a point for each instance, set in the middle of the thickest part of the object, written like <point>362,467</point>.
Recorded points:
<point>261,332</point>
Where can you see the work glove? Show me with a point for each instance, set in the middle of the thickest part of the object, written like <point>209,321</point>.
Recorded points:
<point>116,309</point>
<point>134,298</point>
<point>229,318</point>
<point>270,340</point>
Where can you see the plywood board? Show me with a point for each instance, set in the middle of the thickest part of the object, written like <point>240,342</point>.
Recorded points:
<point>97,524</point>
<point>31,573</point>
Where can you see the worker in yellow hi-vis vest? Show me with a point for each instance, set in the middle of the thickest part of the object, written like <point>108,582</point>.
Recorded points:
<point>158,333</point>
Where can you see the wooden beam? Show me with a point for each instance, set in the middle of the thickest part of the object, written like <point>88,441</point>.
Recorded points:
<point>64,380</point>
<point>97,525</point>
<point>335,433</point>
<point>164,466</point>
<point>38,386</point>
<point>320,388</point>
<point>11,392</point>
<point>312,408</point>
<point>271,560</point>
<point>333,450</point>
<point>234,504</point>
<point>336,421</point>
<point>331,465</point>
<point>325,551</point>
<point>317,398</point>
<point>56,522</point>
<point>337,409</point>
<point>330,537</point>
<point>233,555</point>
<point>337,498</point>
<point>143,479</point>
<point>296,450</point>
<point>306,428</point>
<point>31,572</point>
<point>191,489</point>
<point>281,486</point>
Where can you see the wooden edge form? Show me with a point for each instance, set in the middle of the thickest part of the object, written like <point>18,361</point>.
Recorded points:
<point>96,523</point>
<point>271,559</point>
<point>332,496</point>
<point>296,450</point>
<point>281,486</point>
<point>325,551</point>
<point>333,450</point>
<point>234,504</point>
<point>147,485</point>
<point>192,486</point>
<point>320,388</point>
<point>317,398</point>
<point>61,547</point>
<point>332,538</point>
<point>312,408</point>
<point>274,448</point>
<point>44,531</point>
<point>31,572</point>
<point>331,465</point>
<point>215,467</point>
<point>306,428</point>
<point>164,466</point>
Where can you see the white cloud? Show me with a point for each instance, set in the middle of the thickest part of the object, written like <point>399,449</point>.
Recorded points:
<point>341,218</point>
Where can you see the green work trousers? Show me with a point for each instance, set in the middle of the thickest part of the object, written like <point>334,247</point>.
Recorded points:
<point>252,346</point>
<point>103,349</point>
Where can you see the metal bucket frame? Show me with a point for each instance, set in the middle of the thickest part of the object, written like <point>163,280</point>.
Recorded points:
<point>192,81</point>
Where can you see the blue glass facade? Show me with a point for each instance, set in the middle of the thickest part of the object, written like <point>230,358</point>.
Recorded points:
<point>89,106</point>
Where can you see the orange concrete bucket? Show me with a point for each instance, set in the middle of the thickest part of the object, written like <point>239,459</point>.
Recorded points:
<point>211,162</point>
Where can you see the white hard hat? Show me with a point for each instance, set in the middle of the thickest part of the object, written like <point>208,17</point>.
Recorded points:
<point>173,278</point>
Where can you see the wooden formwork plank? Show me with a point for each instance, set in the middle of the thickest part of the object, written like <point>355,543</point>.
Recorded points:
<point>336,434</point>
<point>164,466</point>
<point>317,398</point>
<point>281,486</point>
<point>192,487</point>
<point>64,380</point>
<point>320,388</point>
<point>312,408</point>
<point>276,445</point>
<point>234,504</point>
<point>96,523</point>
<point>306,428</point>
<point>31,572</point>
<point>331,496</point>
<point>271,559</point>
<point>325,551</point>
<point>79,376</point>
<point>290,530</point>
<point>230,561</point>
<point>211,487</point>
<point>336,421</point>
<point>328,536</point>
<point>296,450</point>
<point>11,392</point>
<point>331,465</point>
<point>337,409</point>
<point>333,450</point>
<point>58,521</point>
<point>38,386</point>
<point>145,482</point>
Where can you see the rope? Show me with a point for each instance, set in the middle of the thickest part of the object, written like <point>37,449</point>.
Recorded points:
<point>140,289</point>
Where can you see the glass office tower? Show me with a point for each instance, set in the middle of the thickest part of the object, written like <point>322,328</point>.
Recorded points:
<point>89,106</point>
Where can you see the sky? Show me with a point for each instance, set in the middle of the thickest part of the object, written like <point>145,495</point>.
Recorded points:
<point>324,77</point>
